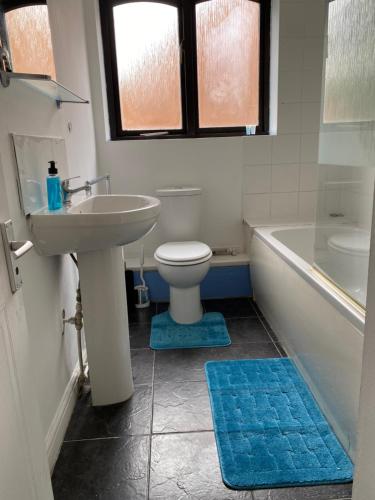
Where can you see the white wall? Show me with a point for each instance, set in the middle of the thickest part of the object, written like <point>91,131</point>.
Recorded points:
<point>280,172</point>
<point>276,176</point>
<point>49,283</point>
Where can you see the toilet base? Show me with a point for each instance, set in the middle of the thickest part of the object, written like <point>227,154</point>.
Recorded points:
<point>185,305</point>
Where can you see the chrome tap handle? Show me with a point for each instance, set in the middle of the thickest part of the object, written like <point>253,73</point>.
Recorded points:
<point>88,188</point>
<point>65,182</point>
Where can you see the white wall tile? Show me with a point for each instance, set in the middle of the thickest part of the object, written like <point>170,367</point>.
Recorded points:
<point>310,117</point>
<point>257,179</point>
<point>290,86</point>
<point>285,149</point>
<point>284,205</point>
<point>313,53</point>
<point>308,177</point>
<point>276,171</point>
<point>291,54</point>
<point>315,14</point>
<point>285,178</point>
<point>292,18</point>
<point>309,148</point>
<point>307,203</point>
<point>256,206</point>
<point>311,85</point>
<point>289,119</point>
<point>257,150</point>
<point>328,202</point>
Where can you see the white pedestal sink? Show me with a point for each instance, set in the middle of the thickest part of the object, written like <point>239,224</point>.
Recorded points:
<point>95,229</point>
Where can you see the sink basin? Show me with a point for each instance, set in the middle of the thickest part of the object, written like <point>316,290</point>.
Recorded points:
<point>95,228</point>
<point>96,223</point>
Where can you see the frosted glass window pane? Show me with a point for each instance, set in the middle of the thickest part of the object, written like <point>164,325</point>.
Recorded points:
<point>228,62</point>
<point>30,40</point>
<point>349,76</point>
<point>148,61</point>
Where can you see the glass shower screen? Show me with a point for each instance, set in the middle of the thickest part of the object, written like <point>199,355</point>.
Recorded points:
<point>347,147</point>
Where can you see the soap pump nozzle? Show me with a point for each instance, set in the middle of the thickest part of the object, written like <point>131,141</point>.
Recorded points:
<point>52,170</point>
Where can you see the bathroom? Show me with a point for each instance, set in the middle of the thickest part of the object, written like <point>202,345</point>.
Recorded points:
<point>285,208</point>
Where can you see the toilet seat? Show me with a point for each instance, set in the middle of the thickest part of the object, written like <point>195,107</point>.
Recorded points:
<point>183,253</point>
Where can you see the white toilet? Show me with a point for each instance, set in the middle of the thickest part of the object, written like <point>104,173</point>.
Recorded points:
<point>183,262</point>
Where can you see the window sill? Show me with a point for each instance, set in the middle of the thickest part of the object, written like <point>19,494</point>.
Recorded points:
<point>185,136</point>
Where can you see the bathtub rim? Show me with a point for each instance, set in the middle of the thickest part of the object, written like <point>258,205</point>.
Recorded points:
<point>307,272</point>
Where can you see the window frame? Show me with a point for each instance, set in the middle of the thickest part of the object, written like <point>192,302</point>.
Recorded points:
<point>189,77</point>
<point>7,6</point>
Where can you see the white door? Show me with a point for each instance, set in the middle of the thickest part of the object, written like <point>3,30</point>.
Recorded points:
<point>24,471</point>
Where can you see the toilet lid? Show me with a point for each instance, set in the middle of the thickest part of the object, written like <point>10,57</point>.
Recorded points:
<point>356,243</point>
<point>183,251</point>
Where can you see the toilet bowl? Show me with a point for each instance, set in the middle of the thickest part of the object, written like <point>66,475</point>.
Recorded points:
<point>182,261</point>
<point>183,265</point>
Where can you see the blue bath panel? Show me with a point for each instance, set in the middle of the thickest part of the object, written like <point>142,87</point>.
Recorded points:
<point>220,283</point>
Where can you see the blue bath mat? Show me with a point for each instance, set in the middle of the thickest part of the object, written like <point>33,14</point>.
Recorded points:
<point>211,331</point>
<point>269,430</point>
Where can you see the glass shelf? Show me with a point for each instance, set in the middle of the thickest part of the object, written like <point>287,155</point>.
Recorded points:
<point>45,85</point>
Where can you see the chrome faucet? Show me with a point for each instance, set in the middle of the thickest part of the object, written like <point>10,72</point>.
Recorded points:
<point>67,191</point>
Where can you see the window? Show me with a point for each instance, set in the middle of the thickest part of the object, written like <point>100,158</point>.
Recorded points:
<point>25,32</point>
<point>186,68</point>
<point>349,65</point>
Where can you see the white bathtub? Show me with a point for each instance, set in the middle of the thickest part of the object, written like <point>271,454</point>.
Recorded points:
<point>317,326</point>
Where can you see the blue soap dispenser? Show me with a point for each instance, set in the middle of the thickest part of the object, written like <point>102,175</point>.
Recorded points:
<point>53,187</point>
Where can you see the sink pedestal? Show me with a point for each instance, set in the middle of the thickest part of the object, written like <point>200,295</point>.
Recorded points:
<point>106,325</point>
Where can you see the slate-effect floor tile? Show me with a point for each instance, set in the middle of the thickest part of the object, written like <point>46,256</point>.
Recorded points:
<point>188,364</point>
<point>186,466</point>
<point>129,418</point>
<point>325,492</point>
<point>184,463</point>
<point>107,469</point>
<point>231,308</point>
<point>244,330</point>
<point>142,366</point>
<point>181,407</point>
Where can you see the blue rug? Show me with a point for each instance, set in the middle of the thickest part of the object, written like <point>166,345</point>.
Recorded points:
<point>269,430</point>
<point>211,331</point>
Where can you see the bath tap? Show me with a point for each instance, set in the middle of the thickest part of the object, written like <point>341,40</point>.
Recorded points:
<point>87,187</point>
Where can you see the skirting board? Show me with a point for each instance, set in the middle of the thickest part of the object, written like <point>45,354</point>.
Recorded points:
<point>60,421</point>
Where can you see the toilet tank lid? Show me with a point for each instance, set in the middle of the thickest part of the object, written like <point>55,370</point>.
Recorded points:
<point>179,191</point>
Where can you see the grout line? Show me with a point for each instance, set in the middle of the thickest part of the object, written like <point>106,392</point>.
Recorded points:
<point>151,424</point>
<point>268,333</point>
<point>201,431</point>
<point>251,342</point>
<point>108,438</point>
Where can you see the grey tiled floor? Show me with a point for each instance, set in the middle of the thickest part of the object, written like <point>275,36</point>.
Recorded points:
<point>160,444</point>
